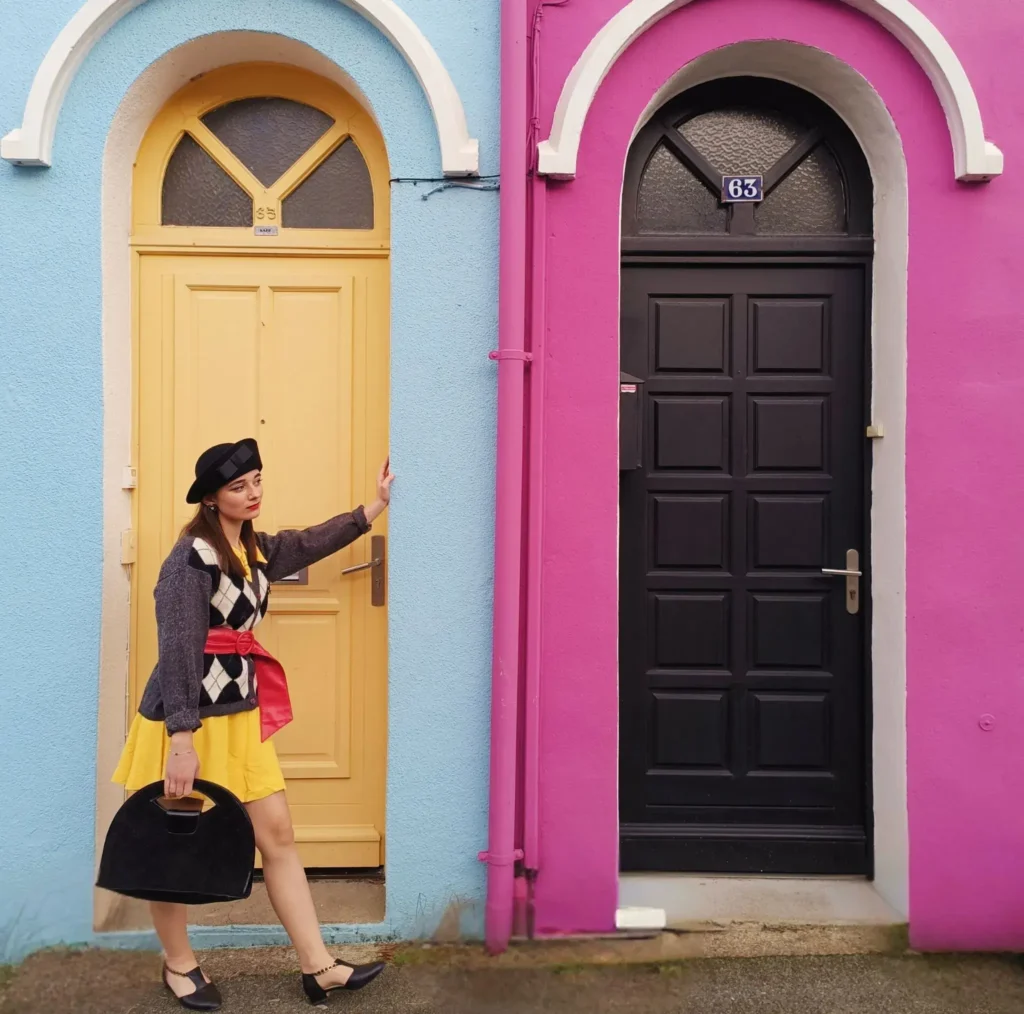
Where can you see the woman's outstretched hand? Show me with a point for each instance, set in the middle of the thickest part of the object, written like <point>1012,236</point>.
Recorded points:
<point>384,480</point>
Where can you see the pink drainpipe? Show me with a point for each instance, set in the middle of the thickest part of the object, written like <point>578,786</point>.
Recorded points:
<point>512,357</point>
<point>536,310</point>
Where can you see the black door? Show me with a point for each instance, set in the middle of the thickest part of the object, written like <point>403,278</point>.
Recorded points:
<point>741,666</point>
<point>743,677</point>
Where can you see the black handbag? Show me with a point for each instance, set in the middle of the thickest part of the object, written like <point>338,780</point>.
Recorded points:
<point>184,856</point>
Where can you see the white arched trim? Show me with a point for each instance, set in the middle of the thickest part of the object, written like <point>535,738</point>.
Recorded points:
<point>974,157</point>
<point>32,142</point>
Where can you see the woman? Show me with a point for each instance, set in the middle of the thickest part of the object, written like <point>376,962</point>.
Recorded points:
<point>201,707</point>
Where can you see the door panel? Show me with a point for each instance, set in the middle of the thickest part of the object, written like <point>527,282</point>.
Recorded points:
<point>294,352</point>
<point>741,670</point>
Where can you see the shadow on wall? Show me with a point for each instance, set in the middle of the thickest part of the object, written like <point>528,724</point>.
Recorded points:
<point>459,921</point>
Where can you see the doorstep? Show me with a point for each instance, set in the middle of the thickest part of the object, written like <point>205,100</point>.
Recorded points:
<point>738,916</point>
<point>689,899</point>
<point>343,901</point>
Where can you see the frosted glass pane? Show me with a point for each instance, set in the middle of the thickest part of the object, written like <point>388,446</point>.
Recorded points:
<point>741,140</point>
<point>809,201</point>
<point>268,135</point>
<point>196,191</point>
<point>672,200</point>
<point>338,194</point>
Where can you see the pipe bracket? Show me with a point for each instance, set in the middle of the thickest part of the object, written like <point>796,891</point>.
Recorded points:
<point>492,860</point>
<point>499,354</point>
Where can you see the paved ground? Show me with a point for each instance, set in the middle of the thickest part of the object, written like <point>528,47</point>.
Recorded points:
<point>123,983</point>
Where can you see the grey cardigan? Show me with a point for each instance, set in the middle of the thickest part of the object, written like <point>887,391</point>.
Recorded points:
<point>194,594</point>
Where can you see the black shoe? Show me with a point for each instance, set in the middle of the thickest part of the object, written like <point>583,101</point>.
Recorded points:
<point>206,996</point>
<point>361,976</point>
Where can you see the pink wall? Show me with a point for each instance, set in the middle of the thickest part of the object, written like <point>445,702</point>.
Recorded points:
<point>964,440</point>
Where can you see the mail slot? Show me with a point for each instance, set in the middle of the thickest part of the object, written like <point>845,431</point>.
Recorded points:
<point>631,390</point>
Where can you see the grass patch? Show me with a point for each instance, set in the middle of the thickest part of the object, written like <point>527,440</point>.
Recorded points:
<point>406,958</point>
<point>413,955</point>
<point>6,975</point>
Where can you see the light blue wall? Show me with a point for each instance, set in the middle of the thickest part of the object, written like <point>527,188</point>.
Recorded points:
<point>442,417</point>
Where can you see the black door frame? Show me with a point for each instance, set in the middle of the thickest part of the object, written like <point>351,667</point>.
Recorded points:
<point>856,249</point>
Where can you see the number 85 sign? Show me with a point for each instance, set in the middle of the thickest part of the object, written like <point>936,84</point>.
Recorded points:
<point>737,189</point>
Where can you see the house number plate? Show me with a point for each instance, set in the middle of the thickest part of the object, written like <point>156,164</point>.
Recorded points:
<point>740,189</point>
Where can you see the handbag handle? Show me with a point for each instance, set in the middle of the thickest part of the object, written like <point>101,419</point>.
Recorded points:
<point>217,793</point>
<point>186,821</point>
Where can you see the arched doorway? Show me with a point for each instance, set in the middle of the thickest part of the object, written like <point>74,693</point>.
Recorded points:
<point>744,681</point>
<point>260,242</point>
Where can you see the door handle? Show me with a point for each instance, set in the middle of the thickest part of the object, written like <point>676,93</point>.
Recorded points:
<point>853,575</point>
<point>376,564</point>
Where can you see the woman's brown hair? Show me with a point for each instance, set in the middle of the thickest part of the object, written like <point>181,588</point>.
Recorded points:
<point>206,525</point>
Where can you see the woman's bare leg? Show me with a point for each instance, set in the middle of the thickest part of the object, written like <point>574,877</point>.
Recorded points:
<point>288,888</point>
<point>171,924</point>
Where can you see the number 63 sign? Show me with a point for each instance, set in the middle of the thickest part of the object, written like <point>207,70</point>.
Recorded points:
<point>736,189</point>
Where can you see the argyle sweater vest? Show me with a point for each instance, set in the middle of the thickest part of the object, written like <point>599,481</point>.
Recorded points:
<point>193,594</point>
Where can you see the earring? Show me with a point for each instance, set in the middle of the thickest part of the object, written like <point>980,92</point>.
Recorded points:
<point>212,507</point>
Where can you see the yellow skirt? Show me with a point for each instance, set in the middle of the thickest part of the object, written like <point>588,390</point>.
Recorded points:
<point>230,754</point>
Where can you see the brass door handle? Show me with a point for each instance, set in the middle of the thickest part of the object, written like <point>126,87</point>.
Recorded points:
<point>376,564</point>
<point>853,574</point>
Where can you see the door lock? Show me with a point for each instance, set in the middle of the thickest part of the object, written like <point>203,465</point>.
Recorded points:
<point>853,575</point>
<point>376,564</point>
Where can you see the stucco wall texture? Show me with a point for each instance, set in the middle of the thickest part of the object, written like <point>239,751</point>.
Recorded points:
<point>444,266</point>
<point>966,369</point>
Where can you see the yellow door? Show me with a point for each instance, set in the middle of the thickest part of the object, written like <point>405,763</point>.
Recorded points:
<point>287,343</point>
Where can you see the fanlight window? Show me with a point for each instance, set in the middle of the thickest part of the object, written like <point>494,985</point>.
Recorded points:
<point>242,161</point>
<point>680,186</point>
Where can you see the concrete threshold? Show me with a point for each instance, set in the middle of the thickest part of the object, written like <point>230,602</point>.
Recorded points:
<point>350,900</point>
<point>690,900</point>
<point>737,916</point>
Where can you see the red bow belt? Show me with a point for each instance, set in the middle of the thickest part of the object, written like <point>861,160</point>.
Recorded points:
<point>271,682</point>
